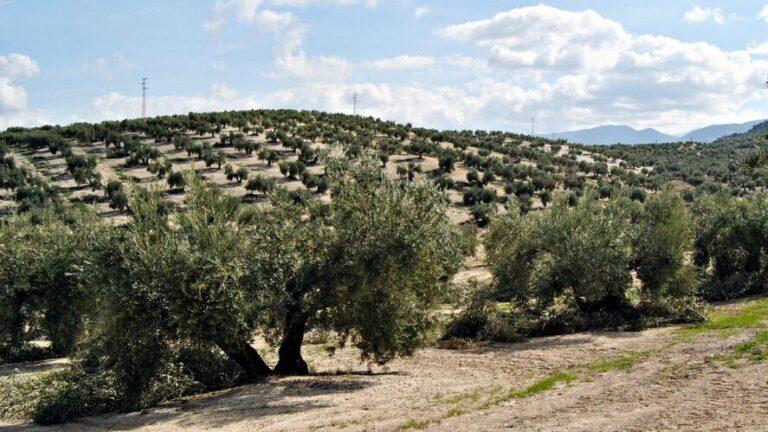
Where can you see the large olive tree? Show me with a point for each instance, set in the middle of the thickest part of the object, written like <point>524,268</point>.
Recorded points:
<point>580,253</point>
<point>370,266</point>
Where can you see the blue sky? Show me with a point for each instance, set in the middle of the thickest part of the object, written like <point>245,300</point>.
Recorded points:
<point>673,65</point>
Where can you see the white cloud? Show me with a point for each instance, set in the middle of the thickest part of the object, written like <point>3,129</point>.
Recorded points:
<point>292,61</point>
<point>420,105</point>
<point>223,92</point>
<point>274,21</point>
<point>402,62</point>
<point>699,14</point>
<point>15,66</point>
<point>544,36</point>
<point>420,12</point>
<point>27,118</point>
<point>115,105</point>
<point>12,97</point>
<point>764,13</point>
<point>14,110</point>
<point>248,11</point>
<point>589,70</point>
<point>569,69</point>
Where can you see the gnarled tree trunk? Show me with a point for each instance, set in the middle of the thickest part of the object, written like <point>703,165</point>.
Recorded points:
<point>247,358</point>
<point>290,361</point>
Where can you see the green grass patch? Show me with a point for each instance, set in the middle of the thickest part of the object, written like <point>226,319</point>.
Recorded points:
<point>414,424</point>
<point>472,396</point>
<point>751,316</point>
<point>755,349</point>
<point>622,363</point>
<point>544,384</point>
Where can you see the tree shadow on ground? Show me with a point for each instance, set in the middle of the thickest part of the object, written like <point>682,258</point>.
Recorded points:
<point>30,367</point>
<point>248,403</point>
<point>534,344</point>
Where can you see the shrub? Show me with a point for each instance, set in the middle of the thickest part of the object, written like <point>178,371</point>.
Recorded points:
<point>42,294</point>
<point>482,320</point>
<point>663,237</point>
<point>731,246</point>
<point>176,180</point>
<point>579,254</point>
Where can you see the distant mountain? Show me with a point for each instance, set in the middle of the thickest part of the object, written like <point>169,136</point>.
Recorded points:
<point>712,133</point>
<point>606,135</point>
<point>745,139</point>
<point>620,134</point>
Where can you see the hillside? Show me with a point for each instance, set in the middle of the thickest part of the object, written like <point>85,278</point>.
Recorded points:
<point>745,139</point>
<point>608,135</point>
<point>197,271</point>
<point>712,133</point>
<point>605,135</point>
<point>479,170</point>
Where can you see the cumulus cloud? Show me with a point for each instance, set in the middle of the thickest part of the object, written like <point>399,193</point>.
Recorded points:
<point>544,36</point>
<point>764,13</point>
<point>402,62</point>
<point>569,69</point>
<point>14,110</point>
<point>420,12</point>
<point>292,61</point>
<point>223,92</point>
<point>249,11</point>
<point>15,66</point>
<point>591,66</point>
<point>756,49</point>
<point>699,14</point>
<point>114,105</point>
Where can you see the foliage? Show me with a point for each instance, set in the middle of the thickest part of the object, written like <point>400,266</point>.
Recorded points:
<point>569,266</point>
<point>41,294</point>
<point>730,246</point>
<point>663,236</point>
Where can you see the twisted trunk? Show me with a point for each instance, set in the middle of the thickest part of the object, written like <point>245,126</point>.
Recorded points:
<point>247,358</point>
<point>290,361</point>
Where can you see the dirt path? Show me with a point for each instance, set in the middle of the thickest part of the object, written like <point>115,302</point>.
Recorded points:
<point>685,389</point>
<point>608,381</point>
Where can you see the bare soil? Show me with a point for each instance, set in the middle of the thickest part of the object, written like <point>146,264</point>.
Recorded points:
<point>671,384</point>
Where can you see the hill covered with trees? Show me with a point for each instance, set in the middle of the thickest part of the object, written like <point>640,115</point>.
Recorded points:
<point>154,252</point>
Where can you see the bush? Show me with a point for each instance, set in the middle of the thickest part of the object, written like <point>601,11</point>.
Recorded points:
<point>57,397</point>
<point>663,237</point>
<point>583,253</point>
<point>731,246</point>
<point>568,268</point>
<point>481,320</point>
<point>39,272</point>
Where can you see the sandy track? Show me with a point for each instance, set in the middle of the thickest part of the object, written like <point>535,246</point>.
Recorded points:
<point>683,390</point>
<point>679,387</point>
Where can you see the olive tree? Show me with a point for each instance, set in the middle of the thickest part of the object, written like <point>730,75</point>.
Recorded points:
<point>663,237</point>
<point>370,266</point>
<point>581,254</point>
<point>731,246</point>
<point>40,289</point>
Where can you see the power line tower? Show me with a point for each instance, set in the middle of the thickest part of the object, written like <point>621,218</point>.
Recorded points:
<point>143,98</point>
<point>354,104</point>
